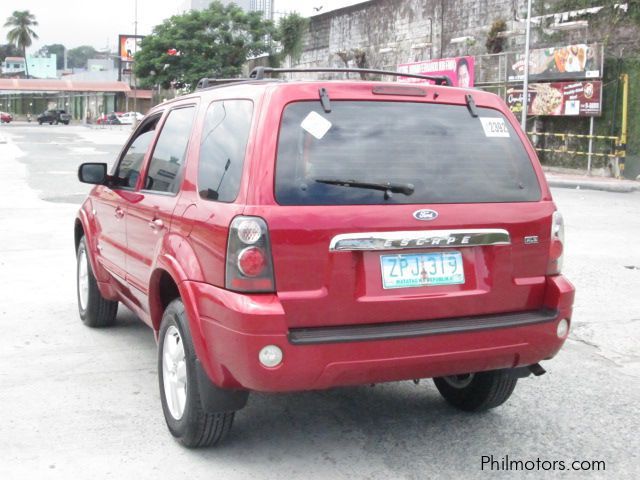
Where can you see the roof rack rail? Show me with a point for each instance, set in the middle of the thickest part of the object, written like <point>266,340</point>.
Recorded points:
<point>214,82</point>
<point>259,73</point>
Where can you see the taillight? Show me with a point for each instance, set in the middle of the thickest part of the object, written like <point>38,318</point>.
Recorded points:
<point>249,262</point>
<point>556,244</point>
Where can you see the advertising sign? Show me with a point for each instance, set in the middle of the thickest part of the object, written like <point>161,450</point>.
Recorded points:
<point>580,61</point>
<point>128,45</point>
<point>583,99</point>
<point>460,70</point>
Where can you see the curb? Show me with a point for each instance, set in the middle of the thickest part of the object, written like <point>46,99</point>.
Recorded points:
<point>593,185</point>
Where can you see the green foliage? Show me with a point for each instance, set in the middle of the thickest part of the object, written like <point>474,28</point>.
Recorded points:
<point>495,43</point>
<point>609,23</point>
<point>9,50</point>
<point>21,33</point>
<point>77,57</point>
<point>290,32</point>
<point>214,42</point>
<point>53,49</point>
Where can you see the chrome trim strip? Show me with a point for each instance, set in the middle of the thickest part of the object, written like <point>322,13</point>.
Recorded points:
<point>349,242</point>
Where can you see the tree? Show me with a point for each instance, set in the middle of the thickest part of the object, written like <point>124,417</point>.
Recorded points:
<point>290,31</point>
<point>214,42</point>
<point>20,32</point>
<point>9,50</point>
<point>77,57</point>
<point>53,49</point>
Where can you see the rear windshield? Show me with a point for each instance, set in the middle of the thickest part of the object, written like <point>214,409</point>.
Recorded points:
<point>427,153</point>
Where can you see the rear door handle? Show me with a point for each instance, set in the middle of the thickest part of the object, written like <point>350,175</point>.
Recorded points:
<point>156,224</point>
<point>119,212</point>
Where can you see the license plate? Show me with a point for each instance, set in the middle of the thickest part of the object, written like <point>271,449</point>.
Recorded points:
<point>422,269</point>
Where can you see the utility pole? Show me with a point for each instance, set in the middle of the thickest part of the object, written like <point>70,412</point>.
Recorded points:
<point>525,88</point>
<point>133,74</point>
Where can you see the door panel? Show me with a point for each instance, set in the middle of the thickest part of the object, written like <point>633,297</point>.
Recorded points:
<point>147,223</point>
<point>149,219</point>
<point>110,212</point>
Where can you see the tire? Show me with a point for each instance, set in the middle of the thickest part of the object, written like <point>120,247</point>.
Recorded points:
<point>40,123</point>
<point>477,392</point>
<point>186,419</point>
<point>50,123</point>
<point>95,311</point>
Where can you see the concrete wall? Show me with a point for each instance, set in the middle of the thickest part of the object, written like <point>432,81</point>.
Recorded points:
<point>397,31</point>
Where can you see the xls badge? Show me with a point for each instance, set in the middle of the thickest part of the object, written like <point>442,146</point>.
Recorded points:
<point>425,214</point>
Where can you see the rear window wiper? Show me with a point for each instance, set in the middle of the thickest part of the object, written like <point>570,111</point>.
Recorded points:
<point>388,188</point>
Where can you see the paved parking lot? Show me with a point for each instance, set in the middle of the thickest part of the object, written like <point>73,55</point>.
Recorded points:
<point>81,403</point>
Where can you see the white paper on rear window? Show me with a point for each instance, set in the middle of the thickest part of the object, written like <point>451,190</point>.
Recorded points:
<point>494,127</point>
<point>316,125</point>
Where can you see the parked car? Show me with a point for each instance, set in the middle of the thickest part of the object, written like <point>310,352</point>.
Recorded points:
<point>301,235</point>
<point>5,117</point>
<point>54,117</point>
<point>110,119</point>
<point>127,118</point>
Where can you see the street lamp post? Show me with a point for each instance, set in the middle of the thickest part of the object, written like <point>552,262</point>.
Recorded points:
<point>525,88</point>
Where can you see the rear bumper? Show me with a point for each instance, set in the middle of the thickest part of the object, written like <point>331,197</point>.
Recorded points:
<point>236,327</point>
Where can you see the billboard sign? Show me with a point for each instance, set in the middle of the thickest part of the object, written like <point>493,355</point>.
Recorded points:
<point>128,45</point>
<point>581,99</point>
<point>459,69</point>
<point>579,61</point>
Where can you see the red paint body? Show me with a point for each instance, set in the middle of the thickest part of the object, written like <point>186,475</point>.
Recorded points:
<point>316,287</point>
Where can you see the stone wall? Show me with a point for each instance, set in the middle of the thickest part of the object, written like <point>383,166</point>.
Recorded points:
<point>398,31</point>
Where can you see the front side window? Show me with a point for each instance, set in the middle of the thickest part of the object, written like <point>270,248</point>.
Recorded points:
<point>222,151</point>
<point>129,168</point>
<point>365,153</point>
<point>165,168</point>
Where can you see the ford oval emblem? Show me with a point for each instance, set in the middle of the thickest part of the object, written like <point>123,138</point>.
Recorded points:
<point>425,215</point>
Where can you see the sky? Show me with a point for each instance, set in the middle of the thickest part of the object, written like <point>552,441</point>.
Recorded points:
<point>98,22</point>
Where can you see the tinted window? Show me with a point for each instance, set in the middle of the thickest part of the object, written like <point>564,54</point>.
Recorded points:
<point>224,141</point>
<point>130,165</point>
<point>444,153</point>
<point>165,169</point>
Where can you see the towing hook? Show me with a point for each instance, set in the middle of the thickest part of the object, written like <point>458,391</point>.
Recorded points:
<point>524,372</point>
<point>537,369</point>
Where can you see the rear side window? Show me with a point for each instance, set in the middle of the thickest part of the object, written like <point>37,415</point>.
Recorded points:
<point>430,154</point>
<point>165,169</point>
<point>222,151</point>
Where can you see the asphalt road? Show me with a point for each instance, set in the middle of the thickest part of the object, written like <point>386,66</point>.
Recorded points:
<point>80,403</point>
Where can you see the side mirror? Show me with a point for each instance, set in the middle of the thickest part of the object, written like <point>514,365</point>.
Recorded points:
<point>94,173</point>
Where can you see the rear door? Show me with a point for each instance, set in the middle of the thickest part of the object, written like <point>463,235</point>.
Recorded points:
<point>396,211</point>
<point>149,218</point>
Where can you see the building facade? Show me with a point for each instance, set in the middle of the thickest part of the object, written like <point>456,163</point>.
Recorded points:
<point>39,67</point>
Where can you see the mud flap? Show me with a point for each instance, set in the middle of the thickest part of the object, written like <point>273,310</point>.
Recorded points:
<point>215,399</point>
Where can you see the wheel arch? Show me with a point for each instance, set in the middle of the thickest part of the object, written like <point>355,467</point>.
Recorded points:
<point>168,282</point>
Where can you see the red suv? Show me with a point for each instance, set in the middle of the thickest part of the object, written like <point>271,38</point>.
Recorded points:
<point>299,235</point>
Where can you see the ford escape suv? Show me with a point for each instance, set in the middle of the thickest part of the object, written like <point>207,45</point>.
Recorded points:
<point>297,235</point>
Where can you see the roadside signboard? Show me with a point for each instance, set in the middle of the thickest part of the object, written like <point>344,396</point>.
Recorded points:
<point>128,45</point>
<point>579,61</point>
<point>582,99</point>
<point>459,69</point>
